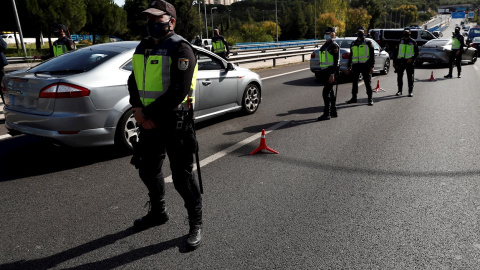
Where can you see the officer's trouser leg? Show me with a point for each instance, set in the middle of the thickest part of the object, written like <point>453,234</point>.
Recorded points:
<point>150,169</point>
<point>355,76</point>
<point>451,61</point>
<point>367,79</point>
<point>410,77</point>
<point>181,164</point>
<point>400,71</point>
<point>458,62</point>
<point>328,95</point>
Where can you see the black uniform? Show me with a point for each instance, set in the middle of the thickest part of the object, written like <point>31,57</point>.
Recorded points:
<point>166,138</point>
<point>3,63</point>
<point>328,94</point>
<point>402,65</point>
<point>227,50</point>
<point>363,68</point>
<point>454,58</point>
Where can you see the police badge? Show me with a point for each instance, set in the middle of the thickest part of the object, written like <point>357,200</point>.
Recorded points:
<point>182,64</point>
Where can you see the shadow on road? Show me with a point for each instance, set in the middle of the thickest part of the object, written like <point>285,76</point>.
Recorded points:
<point>25,156</point>
<point>110,263</point>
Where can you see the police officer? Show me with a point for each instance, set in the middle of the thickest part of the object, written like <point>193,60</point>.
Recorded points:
<point>220,45</point>
<point>404,59</point>
<point>198,41</point>
<point>163,76</point>
<point>60,46</point>
<point>456,54</point>
<point>361,61</point>
<point>329,57</point>
<point>3,63</point>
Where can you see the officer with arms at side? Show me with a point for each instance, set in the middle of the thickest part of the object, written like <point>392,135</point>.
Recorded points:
<point>163,78</point>
<point>361,60</point>
<point>456,55</point>
<point>220,45</point>
<point>329,57</point>
<point>404,60</point>
<point>60,46</point>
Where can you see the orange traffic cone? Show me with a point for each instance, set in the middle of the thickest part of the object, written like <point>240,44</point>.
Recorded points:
<point>378,88</point>
<point>432,78</point>
<point>263,145</point>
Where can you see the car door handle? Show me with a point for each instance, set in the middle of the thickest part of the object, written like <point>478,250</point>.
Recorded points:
<point>206,82</point>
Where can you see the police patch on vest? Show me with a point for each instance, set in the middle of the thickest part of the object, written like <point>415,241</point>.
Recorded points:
<point>182,64</point>
<point>154,62</point>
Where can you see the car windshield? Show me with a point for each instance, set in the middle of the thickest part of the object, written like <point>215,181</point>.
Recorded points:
<point>437,43</point>
<point>477,39</point>
<point>344,43</point>
<point>75,62</point>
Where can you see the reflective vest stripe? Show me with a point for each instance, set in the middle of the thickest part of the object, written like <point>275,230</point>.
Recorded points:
<point>405,51</point>
<point>326,59</point>
<point>59,49</point>
<point>360,53</point>
<point>455,44</point>
<point>218,46</point>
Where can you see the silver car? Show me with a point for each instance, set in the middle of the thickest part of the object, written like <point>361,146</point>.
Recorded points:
<point>81,99</point>
<point>382,59</point>
<point>438,51</point>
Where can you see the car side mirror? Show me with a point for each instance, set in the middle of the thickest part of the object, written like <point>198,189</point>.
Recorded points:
<point>229,66</point>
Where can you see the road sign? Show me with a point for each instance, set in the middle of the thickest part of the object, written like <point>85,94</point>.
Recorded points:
<point>471,15</point>
<point>458,15</point>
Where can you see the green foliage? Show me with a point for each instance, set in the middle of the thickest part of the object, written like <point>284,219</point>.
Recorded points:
<point>356,17</point>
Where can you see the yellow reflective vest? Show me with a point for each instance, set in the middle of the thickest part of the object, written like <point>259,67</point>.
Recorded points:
<point>360,53</point>
<point>218,46</point>
<point>152,73</point>
<point>456,43</point>
<point>406,51</point>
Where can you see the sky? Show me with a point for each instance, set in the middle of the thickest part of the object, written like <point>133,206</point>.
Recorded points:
<point>120,2</point>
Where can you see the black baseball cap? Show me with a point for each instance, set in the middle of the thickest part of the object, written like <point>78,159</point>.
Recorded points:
<point>60,27</point>
<point>161,7</point>
<point>329,30</point>
<point>406,29</point>
<point>360,28</point>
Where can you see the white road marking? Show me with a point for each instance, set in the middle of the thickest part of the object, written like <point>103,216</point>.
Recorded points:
<point>232,148</point>
<point>475,67</point>
<point>283,74</point>
<point>6,136</point>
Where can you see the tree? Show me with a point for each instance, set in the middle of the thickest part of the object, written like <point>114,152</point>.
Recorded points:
<point>329,20</point>
<point>136,21</point>
<point>356,17</point>
<point>374,9</point>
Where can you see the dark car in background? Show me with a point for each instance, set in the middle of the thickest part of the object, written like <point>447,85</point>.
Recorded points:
<point>473,33</point>
<point>439,50</point>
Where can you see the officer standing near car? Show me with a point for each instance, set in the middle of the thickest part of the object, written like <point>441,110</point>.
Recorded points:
<point>60,46</point>
<point>458,44</point>
<point>404,60</point>
<point>162,80</point>
<point>220,45</point>
<point>329,57</point>
<point>361,61</point>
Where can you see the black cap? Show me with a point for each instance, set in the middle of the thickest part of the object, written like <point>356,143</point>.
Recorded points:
<point>406,29</point>
<point>360,28</point>
<point>161,7</point>
<point>60,27</point>
<point>329,30</point>
<point>457,28</point>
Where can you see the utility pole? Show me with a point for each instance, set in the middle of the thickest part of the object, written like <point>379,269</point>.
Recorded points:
<point>19,28</point>
<point>276,19</point>
<point>206,26</point>
<point>315,20</point>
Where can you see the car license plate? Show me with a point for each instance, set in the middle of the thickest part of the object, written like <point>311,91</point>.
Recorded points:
<point>427,56</point>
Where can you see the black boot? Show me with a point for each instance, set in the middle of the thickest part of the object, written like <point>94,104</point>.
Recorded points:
<point>352,100</point>
<point>334,113</point>
<point>324,117</point>
<point>459,75</point>
<point>157,215</point>
<point>370,101</point>
<point>399,93</point>
<point>194,237</point>
<point>410,92</point>
<point>448,76</point>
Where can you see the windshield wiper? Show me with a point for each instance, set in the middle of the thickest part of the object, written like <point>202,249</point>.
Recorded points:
<point>65,71</point>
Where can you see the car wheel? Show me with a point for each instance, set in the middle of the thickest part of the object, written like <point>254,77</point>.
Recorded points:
<point>127,129</point>
<point>251,98</point>
<point>386,67</point>
<point>474,58</point>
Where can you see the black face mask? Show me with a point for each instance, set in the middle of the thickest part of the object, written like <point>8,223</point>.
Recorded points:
<point>406,35</point>
<point>158,29</point>
<point>361,35</point>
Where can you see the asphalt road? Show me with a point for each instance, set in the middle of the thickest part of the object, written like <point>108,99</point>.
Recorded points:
<point>393,186</point>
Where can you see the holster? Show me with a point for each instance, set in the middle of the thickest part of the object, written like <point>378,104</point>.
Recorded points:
<point>137,156</point>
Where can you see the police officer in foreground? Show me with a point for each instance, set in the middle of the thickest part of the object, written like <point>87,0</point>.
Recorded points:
<point>220,45</point>
<point>456,55</point>
<point>163,76</point>
<point>60,46</point>
<point>404,60</point>
<point>329,57</point>
<point>361,61</point>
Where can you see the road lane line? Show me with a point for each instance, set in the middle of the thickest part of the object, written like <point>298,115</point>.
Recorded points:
<point>232,148</point>
<point>283,74</point>
<point>6,136</point>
